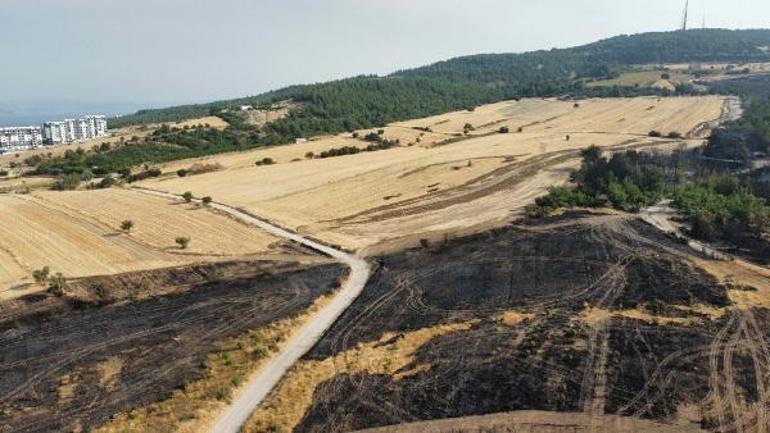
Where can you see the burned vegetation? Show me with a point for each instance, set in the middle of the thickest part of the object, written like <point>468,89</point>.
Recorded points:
<point>116,343</point>
<point>600,315</point>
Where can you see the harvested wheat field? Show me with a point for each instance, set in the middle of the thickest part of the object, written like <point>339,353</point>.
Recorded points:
<point>78,234</point>
<point>212,121</point>
<point>446,181</point>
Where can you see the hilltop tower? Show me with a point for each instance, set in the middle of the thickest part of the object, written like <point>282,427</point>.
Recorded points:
<point>684,18</point>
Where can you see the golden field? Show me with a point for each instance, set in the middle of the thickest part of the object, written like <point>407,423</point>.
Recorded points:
<point>78,234</point>
<point>444,182</point>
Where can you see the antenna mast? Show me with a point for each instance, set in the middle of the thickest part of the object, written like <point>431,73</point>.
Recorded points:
<point>684,19</point>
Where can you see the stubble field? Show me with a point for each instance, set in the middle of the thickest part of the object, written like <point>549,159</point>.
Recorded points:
<point>438,180</point>
<point>78,234</point>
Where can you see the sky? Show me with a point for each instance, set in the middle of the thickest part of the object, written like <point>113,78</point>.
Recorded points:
<point>119,55</point>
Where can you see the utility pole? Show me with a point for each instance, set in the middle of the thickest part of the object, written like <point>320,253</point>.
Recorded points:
<point>684,18</point>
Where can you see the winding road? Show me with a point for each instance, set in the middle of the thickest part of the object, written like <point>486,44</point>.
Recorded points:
<point>255,391</point>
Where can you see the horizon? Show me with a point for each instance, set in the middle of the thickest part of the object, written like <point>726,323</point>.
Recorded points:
<point>162,66</point>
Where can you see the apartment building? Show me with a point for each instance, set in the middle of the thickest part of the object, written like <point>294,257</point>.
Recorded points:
<point>20,138</point>
<point>70,130</point>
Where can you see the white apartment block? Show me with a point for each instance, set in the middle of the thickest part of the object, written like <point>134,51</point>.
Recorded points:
<point>71,130</point>
<point>20,138</point>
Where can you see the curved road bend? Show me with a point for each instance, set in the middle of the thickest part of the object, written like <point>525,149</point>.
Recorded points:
<point>255,391</point>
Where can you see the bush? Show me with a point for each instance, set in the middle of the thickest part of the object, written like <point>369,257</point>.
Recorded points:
<point>147,174</point>
<point>107,182</point>
<point>655,134</point>
<point>67,182</point>
<point>206,200</point>
<point>41,275</point>
<point>265,161</point>
<point>183,242</point>
<point>127,225</point>
<point>504,130</point>
<point>187,196</point>
<point>674,134</point>
<point>182,172</point>
<point>56,284</point>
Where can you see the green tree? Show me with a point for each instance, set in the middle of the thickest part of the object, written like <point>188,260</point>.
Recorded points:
<point>41,275</point>
<point>127,225</point>
<point>183,242</point>
<point>56,284</point>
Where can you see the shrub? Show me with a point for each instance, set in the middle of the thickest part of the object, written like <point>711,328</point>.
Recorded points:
<point>206,200</point>
<point>187,196</point>
<point>127,225</point>
<point>504,130</point>
<point>655,134</point>
<point>67,182</point>
<point>265,161</point>
<point>310,155</point>
<point>56,284</point>
<point>674,134</point>
<point>107,182</point>
<point>41,275</point>
<point>183,242</point>
<point>182,172</point>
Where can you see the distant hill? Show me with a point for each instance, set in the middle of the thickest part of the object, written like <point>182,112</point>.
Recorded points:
<point>462,82</point>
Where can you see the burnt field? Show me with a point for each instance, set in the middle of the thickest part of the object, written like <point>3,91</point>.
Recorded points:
<point>597,315</point>
<point>117,343</point>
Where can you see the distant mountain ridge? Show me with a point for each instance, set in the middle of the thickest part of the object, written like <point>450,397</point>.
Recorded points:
<point>471,80</point>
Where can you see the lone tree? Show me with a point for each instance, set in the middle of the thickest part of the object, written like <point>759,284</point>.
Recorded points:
<point>127,225</point>
<point>182,242</point>
<point>187,196</point>
<point>206,200</point>
<point>41,275</point>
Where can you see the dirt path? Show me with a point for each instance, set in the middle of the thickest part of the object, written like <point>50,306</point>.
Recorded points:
<point>255,391</point>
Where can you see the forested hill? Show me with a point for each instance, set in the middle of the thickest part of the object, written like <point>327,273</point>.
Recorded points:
<point>367,101</point>
<point>710,45</point>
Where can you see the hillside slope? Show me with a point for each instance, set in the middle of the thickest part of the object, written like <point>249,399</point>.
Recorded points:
<point>472,80</point>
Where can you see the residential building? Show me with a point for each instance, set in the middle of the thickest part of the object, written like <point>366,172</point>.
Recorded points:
<point>70,130</point>
<point>20,138</point>
<point>59,132</point>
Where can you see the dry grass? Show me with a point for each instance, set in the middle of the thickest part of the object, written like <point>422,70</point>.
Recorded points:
<point>367,199</point>
<point>109,370</point>
<point>594,317</point>
<point>541,422</point>
<point>390,355</point>
<point>195,408</point>
<point>740,273</point>
<point>642,79</point>
<point>77,233</point>
<point>211,121</point>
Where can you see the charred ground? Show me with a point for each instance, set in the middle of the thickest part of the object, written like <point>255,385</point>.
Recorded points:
<point>613,323</point>
<point>120,342</point>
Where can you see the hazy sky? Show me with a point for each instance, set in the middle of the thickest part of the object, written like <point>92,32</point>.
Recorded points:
<point>156,52</point>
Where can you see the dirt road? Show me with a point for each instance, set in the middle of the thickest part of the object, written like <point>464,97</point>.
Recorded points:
<point>265,380</point>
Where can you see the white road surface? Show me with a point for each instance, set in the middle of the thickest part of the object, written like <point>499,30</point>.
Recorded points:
<point>255,391</point>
